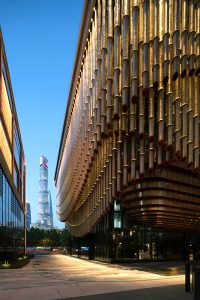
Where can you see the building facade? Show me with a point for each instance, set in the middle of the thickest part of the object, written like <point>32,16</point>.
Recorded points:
<point>12,169</point>
<point>50,210</point>
<point>127,175</point>
<point>43,195</point>
<point>28,215</point>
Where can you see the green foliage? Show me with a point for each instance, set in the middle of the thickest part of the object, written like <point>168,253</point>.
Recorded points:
<point>65,238</point>
<point>45,242</point>
<point>40,237</point>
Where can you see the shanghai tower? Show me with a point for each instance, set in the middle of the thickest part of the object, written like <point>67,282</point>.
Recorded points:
<point>43,201</point>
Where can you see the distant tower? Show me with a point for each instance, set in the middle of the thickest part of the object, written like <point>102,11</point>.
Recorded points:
<point>51,210</point>
<point>28,215</point>
<point>43,203</point>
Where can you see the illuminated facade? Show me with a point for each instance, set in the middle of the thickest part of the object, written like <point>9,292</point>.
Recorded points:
<point>28,215</point>
<point>50,210</point>
<point>43,196</point>
<point>127,174</point>
<point>12,169</point>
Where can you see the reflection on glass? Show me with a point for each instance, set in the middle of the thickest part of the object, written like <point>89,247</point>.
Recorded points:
<point>11,222</point>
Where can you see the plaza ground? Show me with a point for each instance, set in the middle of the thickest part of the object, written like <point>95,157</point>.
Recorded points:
<point>52,277</point>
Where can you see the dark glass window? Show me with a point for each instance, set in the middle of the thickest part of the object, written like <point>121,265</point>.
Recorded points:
<point>117,215</point>
<point>16,177</point>
<point>17,147</point>
<point>117,220</point>
<point>23,176</point>
<point>11,222</point>
<point>1,202</point>
<point>7,84</point>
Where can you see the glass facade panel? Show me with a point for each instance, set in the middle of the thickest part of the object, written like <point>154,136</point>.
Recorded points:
<point>1,201</point>
<point>17,147</point>
<point>117,220</point>
<point>117,206</point>
<point>23,186</point>
<point>16,177</point>
<point>6,109</point>
<point>4,146</point>
<point>12,231</point>
<point>137,243</point>
<point>6,84</point>
<point>117,215</point>
<point>11,222</point>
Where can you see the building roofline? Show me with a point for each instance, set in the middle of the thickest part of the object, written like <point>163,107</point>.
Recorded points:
<point>4,57</point>
<point>85,23</point>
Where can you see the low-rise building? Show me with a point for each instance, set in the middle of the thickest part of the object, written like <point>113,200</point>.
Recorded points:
<point>12,169</point>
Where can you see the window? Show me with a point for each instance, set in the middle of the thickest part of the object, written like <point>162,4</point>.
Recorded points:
<point>117,206</point>
<point>1,201</point>
<point>6,84</point>
<point>17,147</point>
<point>117,215</point>
<point>117,220</point>
<point>4,146</point>
<point>23,179</point>
<point>16,177</point>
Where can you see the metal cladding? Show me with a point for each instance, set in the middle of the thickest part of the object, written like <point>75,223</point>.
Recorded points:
<point>132,125</point>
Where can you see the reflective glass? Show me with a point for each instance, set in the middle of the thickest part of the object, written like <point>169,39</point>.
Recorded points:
<point>17,147</point>
<point>11,222</point>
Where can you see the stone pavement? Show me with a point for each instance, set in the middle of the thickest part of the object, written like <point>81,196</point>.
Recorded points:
<point>56,277</point>
<point>172,292</point>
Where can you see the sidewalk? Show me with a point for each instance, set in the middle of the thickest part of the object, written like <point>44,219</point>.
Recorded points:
<point>54,277</point>
<point>173,292</point>
<point>165,268</point>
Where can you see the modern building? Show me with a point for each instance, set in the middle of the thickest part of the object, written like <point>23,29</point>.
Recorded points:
<point>127,174</point>
<point>12,169</point>
<point>45,211</point>
<point>43,194</point>
<point>28,215</point>
<point>50,210</point>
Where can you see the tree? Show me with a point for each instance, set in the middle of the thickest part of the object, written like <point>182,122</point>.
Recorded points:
<point>54,235</point>
<point>37,236</point>
<point>65,238</point>
<point>45,242</point>
<point>33,236</point>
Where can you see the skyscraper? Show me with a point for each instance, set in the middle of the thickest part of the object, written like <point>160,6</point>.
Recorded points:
<point>51,210</point>
<point>28,215</point>
<point>43,202</point>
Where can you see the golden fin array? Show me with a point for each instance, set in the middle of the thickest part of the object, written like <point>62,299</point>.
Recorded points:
<point>136,105</point>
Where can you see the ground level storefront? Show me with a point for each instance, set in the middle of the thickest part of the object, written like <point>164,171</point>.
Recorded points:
<point>116,238</point>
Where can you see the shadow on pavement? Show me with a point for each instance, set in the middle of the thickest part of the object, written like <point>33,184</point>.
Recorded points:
<point>173,292</point>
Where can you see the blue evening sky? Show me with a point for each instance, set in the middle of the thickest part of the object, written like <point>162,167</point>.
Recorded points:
<point>40,38</point>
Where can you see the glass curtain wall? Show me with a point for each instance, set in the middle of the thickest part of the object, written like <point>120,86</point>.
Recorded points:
<point>116,238</point>
<point>12,170</point>
<point>11,222</point>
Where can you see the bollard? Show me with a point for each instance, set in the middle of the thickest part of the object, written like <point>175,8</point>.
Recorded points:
<point>196,283</point>
<point>187,277</point>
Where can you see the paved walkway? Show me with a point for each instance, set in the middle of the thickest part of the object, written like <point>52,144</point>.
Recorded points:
<point>56,277</point>
<point>172,292</point>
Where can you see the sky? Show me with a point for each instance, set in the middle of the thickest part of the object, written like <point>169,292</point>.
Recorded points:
<point>40,38</point>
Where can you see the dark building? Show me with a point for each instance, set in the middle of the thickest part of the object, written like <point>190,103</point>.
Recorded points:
<point>28,215</point>
<point>12,169</point>
<point>127,175</point>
